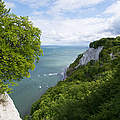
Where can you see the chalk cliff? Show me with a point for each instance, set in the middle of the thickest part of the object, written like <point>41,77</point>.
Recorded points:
<point>90,54</point>
<point>8,110</point>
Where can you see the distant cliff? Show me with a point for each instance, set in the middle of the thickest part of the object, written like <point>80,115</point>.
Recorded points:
<point>90,54</point>
<point>91,90</point>
<point>83,59</point>
<point>8,110</point>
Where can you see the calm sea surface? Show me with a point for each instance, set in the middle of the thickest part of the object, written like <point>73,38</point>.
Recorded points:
<point>47,73</point>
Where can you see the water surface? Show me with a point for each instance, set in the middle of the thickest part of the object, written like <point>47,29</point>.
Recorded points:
<point>47,73</point>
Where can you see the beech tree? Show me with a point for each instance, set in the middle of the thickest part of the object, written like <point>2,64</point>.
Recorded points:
<point>19,47</point>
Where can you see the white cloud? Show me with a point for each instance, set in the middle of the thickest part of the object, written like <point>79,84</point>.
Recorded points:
<point>58,30</point>
<point>114,20</point>
<point>56,8</point>
<point>34,3</point>
<point>60,4</point>
<point>113,9</point>
<point>73,4</point>
<point>10,5</point>
<point>40,13</point>
<point>72,31</point>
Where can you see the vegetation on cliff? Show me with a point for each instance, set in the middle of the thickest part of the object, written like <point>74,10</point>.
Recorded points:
<point>19,47</point>
<point>90,92</point>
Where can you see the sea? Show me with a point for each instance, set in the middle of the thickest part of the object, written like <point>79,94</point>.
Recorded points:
<point>47,73</point>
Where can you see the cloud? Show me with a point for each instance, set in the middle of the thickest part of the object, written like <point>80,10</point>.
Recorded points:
<point>74,4</point>
<point>72,31</point>
<point>57,8</point>
<point>115,27</point>
<point>113,9</point>
<point>60,4</point>
<point>10,5</point>
<point>61,29</point>
<point>34,3</point>
<point>114,20</point>
<point>38,13</point>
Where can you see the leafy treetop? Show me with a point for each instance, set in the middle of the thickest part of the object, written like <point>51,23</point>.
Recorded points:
<point>19,47</point>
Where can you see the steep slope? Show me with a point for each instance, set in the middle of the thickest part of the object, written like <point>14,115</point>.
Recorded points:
<point>8,110</point>
<point>91,91</point>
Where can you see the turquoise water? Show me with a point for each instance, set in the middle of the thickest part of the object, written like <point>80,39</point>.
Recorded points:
<point>47,73</point>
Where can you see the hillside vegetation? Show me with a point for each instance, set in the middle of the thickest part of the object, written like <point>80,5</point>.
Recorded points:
<point>90,92</point>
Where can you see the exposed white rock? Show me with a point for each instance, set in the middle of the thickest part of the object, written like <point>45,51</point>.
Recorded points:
<point>8,110</point>
<point>90,54</point>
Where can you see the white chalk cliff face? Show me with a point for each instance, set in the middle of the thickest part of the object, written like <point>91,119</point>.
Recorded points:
<point>8,110</point>
<point>90,54</point>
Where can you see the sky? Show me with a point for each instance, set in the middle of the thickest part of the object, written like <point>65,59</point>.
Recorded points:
<point>70,22</point>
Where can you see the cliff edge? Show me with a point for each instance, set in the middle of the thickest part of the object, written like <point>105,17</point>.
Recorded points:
<point>90,54</point>
<point>8,110</point>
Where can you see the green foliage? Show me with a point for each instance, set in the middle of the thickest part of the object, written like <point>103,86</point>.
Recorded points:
<point>90,92</point>
<point>19,47</point>
<point>27,117</point>
<point>106,42</point>
<point>73,65</point>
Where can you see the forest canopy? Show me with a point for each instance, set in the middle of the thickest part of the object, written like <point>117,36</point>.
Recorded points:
<point>19,47</point>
